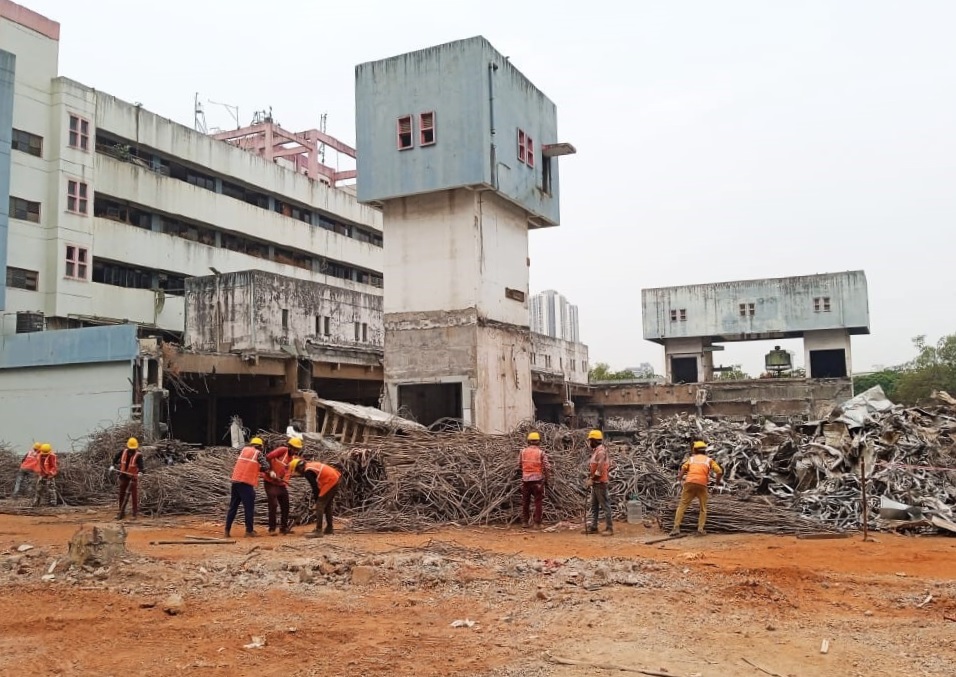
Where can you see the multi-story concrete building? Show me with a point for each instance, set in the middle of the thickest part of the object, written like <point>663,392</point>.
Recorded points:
<point>553,316</point>
<point>107,209</point>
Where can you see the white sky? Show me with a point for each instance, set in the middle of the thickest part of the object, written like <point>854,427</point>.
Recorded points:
<point>716,140</point>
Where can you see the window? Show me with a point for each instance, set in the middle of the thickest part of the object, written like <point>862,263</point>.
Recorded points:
<point>25,142</point>
<point>76,262</point>
<point>285,319</point>
<point>18,278</point>
<point>522,147</point>
<point>747,309</point>
<point>405,132</point>
<point>673,316</point>
<point>426,128</point>
<point>751,309</point>
<point>318,325</point>
<point>683,315</point>
<point>327,326</point>
<point>821,304</point>
<point>79,133</point>
<point>76,197</point>
<point>364,332</point>
<point>534,358</point>
<point>530,151</point>
<point>546,176</point>
<point>547,361</point>
<point>24,209</point>
<point>573,366</point>
<point>358,330</point>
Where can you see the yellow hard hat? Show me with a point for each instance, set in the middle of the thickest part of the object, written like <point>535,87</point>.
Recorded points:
<point>256,442</point>
<point>295,442</point>
<point>595,435</point>
<point>294,466</point>
<point>45,448</point>
<point>36,446</point>
<point>132,443</point>
<point>699,445</point>
<point>534,437</point>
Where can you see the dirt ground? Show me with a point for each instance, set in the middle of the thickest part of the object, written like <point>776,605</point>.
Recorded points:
<point>384,604</point>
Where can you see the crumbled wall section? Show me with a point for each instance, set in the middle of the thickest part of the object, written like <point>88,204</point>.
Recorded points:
<point>255,311</point>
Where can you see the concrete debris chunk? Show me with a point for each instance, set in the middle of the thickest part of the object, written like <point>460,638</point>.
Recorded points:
<point>174,605</point>
<point>97,545</point>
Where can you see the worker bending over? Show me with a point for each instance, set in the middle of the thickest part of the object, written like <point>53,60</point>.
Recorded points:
<point>598,469</point>
<point>277,490</point>
<point>245,480</point>
<point>324,480</point>
<point>28,466</point>
<point>695,473</point>
<point>47,469</point>
<point>535,468</point>
<point>129,464</point>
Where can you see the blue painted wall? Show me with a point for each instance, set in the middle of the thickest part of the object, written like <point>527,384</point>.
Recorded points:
<point>69,346</point>
<point>455,81</point>
<point>8,64</point>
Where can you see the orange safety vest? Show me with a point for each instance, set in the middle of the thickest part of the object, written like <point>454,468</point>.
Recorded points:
<point>247,467</point>
<point>600,464</point>
<point>326,475</point>
<point>128,462</point>
<point>31,461</point>
<point>48,466</point>
<point>280,466</point>
<point>698,469</point>
<point>532,464</point>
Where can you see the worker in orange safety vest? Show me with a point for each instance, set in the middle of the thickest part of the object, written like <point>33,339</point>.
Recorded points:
<point>535,469</point>
<point>245,480</point>
<point>29,466</point>
<point>47,469</point>
<point>324,480</point>
<point>695,473</point>
<point>129,464</point>
<point>277,490</point>
<point>599,467</point>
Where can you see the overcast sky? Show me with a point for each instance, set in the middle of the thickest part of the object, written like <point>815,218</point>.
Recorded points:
<point>716,140</point>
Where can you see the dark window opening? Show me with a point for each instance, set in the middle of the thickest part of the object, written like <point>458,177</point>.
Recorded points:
<point>684,370</point>
<point>429,402</point>
<point>19,278</point>
<point>285,319</point>
<point>405,132</point>
<point>828,363</point>
<point>426,127</point>
<point>364,332</point>
<point>24,209</point>
<point>28,143</point>
<point>116,210</point>
<point>546,175</point>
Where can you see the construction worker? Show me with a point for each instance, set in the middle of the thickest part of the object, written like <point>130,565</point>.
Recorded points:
<point>277,490</point>
<point>29,466</point>
<point>695,473</point>
<point>47,469</point>
<point>535,468</point>
<point>245,480</point>
<point>598,468</point>
<point>129,464</point>
<point>324,480</point>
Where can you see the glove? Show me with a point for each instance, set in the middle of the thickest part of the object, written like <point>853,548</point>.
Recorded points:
<point>273,475</point>
<point>112,469</point>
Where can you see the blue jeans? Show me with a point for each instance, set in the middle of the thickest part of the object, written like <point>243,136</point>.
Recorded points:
<point>246,495</point>
<point>600,498</point>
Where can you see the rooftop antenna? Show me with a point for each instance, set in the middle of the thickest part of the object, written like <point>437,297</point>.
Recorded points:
<point>199,116</point>
<point>322,122</point>
<point>233,110</point>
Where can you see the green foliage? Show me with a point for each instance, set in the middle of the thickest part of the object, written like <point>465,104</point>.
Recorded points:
<point>933,368</point>
<point>887,379</point>
<point>602,372</point>
<point>735,374</point>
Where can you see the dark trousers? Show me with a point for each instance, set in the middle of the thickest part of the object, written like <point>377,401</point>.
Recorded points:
<point>600,499</point>
<point>323,507</point>
<point>131,485</point>
<point>246,495</point>
<point>528,490</point>
<point>278,497</point>
<point>46,491</point>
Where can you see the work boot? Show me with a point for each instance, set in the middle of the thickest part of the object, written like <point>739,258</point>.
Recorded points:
<point>328,531</point>
<point>701,532</point>
<point>272,532</point>
<point>525,525</point>
<point>251,534</point>
<point>674,532</point>
<point>285,531</point>
<point>119,516</point>
<point>314,534</point>
<point>591,530</point>
<point>226,534</point>
<point>609,531</point>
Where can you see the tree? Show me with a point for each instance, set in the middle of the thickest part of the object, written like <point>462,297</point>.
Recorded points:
<point>602,372</point>
<point>735,373</point>
<point>887,379</point>
<point>934,368</point>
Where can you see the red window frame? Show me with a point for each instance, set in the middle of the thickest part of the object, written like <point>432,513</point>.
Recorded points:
<point>77,263</point>
<point>79,134</point>
<point>77,197</point>
<point>529,149</point>
<point>426,123</point>
<point>401,132</point>
<point>522,147</point>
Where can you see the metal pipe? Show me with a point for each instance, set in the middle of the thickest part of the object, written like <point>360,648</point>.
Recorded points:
<point>492,67</point>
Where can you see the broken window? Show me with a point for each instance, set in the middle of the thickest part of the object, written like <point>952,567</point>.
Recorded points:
<point>79,133</point>
<point>76,262</point>
<point>28,143</point>
<point>24,209</point>
<point>76,197</point>
<point>405,132</point>
<point>18,278</point>
<point>426,127</point>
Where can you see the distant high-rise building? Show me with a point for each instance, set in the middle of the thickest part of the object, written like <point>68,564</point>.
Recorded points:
<point>553,316</point>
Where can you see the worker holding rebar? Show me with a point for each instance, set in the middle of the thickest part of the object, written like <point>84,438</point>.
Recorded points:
<point>324,480</point>
<point>128,463</point>
<point>277,490</point>
<point>599,467</point>
<point>695,474</point>
<point>535,468</point>
<point>245,480</point>
<point>47,468</point>
<point>28,466</point>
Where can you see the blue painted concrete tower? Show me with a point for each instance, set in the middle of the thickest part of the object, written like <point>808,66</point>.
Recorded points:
<point>460,150</point>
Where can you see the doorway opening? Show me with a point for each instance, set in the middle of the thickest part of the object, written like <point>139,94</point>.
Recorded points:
<point>429,402</point>
<point>684,370</point>
<point>828,363</point>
